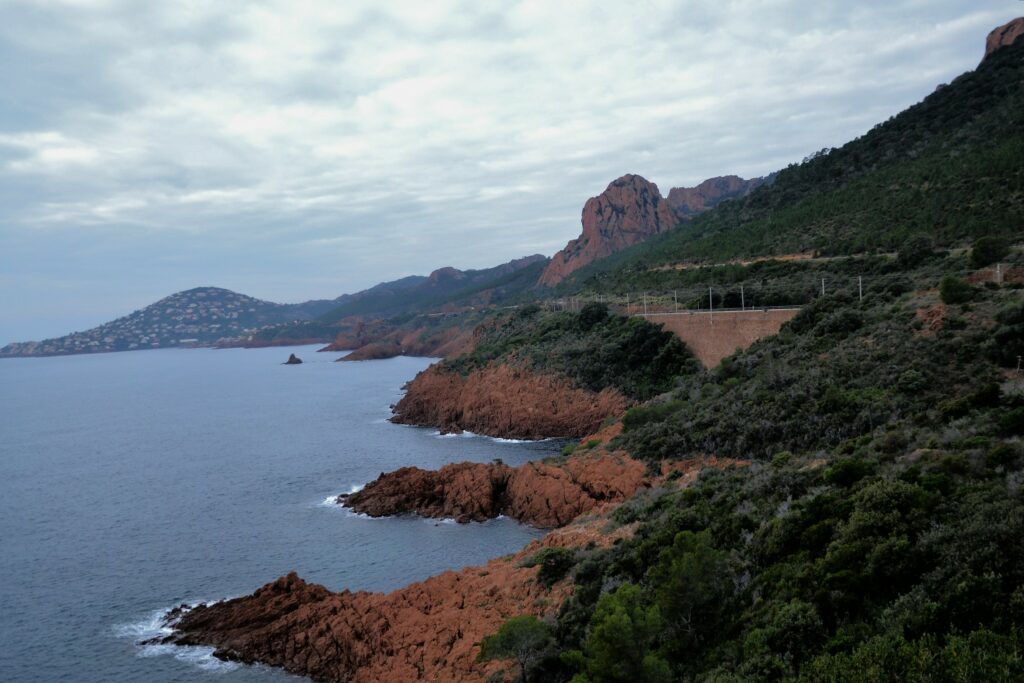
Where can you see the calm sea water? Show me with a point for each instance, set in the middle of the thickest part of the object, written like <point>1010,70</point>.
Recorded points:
<point>132,482</point>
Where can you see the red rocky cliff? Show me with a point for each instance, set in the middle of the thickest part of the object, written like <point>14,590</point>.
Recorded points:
<point>632,210</point>
<point>1004,35</point>
<point>505,401</point>
<point>627,213</point>
<point>687,202</point>
<point>427,631</point>
<point>539,494</point>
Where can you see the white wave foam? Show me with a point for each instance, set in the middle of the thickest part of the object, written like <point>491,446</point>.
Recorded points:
<point>498,439</point>
<point>332,500</point>
<point>454,435</point>
<point>153,626</point>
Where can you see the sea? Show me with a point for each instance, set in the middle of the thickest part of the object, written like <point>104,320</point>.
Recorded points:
<point>133,482</point>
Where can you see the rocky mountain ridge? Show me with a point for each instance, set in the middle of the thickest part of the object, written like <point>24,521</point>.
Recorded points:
<point>632,210</point>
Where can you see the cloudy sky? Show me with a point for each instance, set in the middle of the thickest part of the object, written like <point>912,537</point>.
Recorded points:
<point>301,149</point>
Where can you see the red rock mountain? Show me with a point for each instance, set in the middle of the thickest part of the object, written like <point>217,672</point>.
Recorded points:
<point>628,212</point>
<point>1004,35</point>
<point>632,210</point>
<point>687,202</point>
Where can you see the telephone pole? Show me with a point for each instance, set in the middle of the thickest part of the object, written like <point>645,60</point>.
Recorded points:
<point>823,286</point>
<point>743,301</point>
<point>645,304</point>
<point>675,302</point>
<point>860,287</point>
<point>711,305</point>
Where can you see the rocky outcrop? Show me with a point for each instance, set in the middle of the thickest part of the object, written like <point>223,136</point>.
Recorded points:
<point>687,202</point>
<point>506,401</point>
<point>628,212</point>
<point>293,360</point>
<point>1003,36</point>
<point>427,631</point>
<point>539,494</point>
<point>631,211</point>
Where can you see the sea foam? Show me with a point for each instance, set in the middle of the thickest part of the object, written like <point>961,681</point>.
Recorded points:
<point>154,625</point>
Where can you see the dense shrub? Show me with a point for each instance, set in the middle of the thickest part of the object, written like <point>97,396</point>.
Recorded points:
<point>593,348</point>
<point>953,290</point>
<point>987,250</point>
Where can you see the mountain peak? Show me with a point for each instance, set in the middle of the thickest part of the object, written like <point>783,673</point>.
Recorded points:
<point>629,211</point>
<point>1003,35</point>
<point>687,202</point>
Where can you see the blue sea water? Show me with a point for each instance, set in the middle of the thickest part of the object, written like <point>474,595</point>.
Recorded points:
<point>133,482</point>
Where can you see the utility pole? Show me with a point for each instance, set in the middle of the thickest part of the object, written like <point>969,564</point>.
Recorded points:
<point>999,273</point>
<point>627,303</point>
<point>675,302</point>
<point>645,304</point>
<point>711,305</point>
<point>860,287</point>
<point>743,301</point>
<point>823,286</point>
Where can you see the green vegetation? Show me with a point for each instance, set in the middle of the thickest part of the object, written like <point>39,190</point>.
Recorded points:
<point>523,639</point>
<point>873,528</point>
<point>948,169</point>
<point>953,290</point>
<point>988,250</point>
<point>593,348</point>
<point>554,564</point>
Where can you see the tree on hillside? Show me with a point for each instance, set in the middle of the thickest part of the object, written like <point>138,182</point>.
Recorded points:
<point>988,250</point>
<point>524,638</point>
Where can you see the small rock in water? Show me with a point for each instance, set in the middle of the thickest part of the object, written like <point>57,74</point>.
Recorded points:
<point>293,360</point>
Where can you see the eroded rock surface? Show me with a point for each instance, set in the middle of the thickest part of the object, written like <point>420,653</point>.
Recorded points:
<point>1004,35</point>
<point>537,493</point>
<point>505,401</point>
<point>687,202</point>
<point>628,212</point>
<point>427,631</point>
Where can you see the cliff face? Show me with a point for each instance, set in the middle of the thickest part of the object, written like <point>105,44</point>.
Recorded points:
<point>632,210</point>
<point>429,630</point>
<point>539,494</point>
<point>628,212</point>
<point>687,202</point>
<point>505,401</point>
<point>1004,35</point>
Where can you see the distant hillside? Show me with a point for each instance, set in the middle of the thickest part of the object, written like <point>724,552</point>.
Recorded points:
<point>196,316</point>
<point>443,287</point>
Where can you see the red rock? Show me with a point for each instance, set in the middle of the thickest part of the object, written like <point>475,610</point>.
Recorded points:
<point>628,212</point>
<point>688,202</point>
<point>631,211</point>
<point>427,631</point>
<point>539,494</point>
<point>1003,36</point>
<point>505,401</point>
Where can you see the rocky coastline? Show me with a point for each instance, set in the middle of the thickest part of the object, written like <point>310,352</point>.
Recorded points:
<point>428,631</point>
<point>544,495</point>
<point>507,402</point>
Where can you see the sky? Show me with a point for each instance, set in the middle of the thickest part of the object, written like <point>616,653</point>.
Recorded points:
<point>301,149</point>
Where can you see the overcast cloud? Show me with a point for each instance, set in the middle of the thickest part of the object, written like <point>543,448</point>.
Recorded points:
<point>301,149</point>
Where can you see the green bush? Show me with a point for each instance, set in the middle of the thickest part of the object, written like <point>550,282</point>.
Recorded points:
<point>988,250</point>
<point>554,564</point>
<point>953,290</point>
